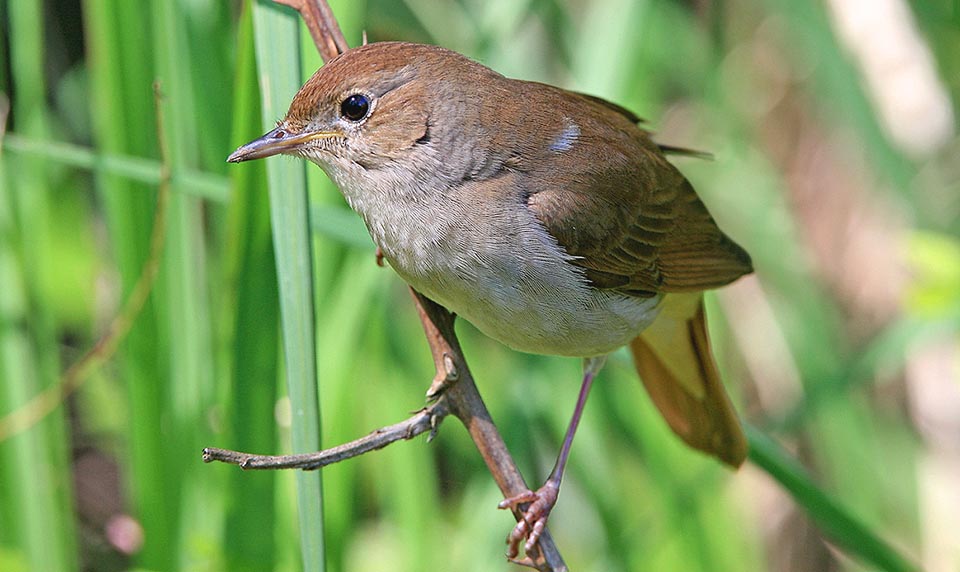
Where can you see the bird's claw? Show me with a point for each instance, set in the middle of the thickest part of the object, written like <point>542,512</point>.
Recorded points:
<point>533,518</point>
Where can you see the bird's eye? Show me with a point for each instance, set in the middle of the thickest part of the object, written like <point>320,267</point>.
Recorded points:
<point>356,107</point>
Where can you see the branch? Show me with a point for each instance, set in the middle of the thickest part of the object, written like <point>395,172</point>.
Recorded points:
<point>455,392</point>
<point>456,382</point>
<point>323,26</point>
<point>427,419</point>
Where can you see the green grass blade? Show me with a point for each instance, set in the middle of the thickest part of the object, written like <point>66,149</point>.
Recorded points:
<point>278,61</point>
<point>835,521</point>
<point>36,463</point>
<point>251,288</point>
<point>121,105</point>
<point>190,392</point>
<point>138,169</point>
<point>35,523</point>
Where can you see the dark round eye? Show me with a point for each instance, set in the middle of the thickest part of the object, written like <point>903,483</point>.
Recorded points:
<point>355,107</point>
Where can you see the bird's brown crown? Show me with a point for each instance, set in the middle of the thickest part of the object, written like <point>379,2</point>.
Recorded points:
<point>375,69</point>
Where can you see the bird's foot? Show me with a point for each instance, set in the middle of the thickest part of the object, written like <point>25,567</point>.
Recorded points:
<point>533,519</point>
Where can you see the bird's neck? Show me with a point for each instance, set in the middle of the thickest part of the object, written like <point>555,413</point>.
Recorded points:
<point>406,220</point>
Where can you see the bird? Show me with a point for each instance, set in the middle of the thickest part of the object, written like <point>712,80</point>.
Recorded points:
<point>549,219</point>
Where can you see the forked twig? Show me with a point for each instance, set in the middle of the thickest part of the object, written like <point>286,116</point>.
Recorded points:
<point>455,394</point>
<point>427,419</point>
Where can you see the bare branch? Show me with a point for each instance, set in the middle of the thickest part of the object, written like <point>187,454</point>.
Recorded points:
<point>455,393</point>
<point>427,419</point>
<point>455,382</point>
<point>323,26</point>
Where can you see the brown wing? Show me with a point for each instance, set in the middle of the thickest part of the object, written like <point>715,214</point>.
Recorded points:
<point>628,216</point>
<point>604,190</point>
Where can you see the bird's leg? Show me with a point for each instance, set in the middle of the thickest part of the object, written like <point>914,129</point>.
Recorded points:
<point>543,499</point>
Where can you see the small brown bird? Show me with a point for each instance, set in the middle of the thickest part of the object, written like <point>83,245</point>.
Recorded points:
<point>549,219</point>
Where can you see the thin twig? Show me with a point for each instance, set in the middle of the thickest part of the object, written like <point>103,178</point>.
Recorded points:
<point>47,400</point>
<point>323,26</point>
<point>427,419</point>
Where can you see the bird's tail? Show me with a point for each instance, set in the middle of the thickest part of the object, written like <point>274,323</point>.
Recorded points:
<point>675,362</point>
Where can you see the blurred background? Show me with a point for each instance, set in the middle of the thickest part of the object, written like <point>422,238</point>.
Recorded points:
<point>837,165</point>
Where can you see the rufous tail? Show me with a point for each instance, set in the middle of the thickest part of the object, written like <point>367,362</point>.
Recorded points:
<point>676,364</point>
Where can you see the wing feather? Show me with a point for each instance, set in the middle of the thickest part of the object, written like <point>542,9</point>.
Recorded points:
<point>625,214</point>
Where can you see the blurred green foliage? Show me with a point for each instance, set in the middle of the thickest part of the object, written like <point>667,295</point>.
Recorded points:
<point>827,351</point>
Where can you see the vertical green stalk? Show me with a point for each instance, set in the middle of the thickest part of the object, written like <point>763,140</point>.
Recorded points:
<point>190,385</point>
<point>343,316</point>
<point>36,463</point>
<point>34,469</point>
<point>252,305</point>
<point>278,62</point>
<point>118,35</point>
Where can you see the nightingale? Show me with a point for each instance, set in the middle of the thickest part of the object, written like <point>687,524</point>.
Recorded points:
<point>549,219</point>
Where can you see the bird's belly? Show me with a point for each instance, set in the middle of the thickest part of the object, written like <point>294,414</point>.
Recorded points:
<point>609,324</point>
<point>538,315</point>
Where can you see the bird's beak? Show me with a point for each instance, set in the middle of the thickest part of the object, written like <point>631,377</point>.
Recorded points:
<point>280,140</point>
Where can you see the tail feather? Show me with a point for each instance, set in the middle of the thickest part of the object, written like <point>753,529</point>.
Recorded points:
<point>675,362</point>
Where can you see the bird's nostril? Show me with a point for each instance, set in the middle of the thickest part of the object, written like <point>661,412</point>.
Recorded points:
<point>279,134</point>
